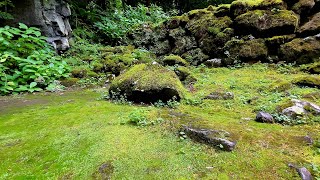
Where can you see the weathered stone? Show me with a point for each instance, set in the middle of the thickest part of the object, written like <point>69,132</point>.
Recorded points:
<point>177,21</point>
<point>312,27</point>
<point>51,16</point>
<point>147,84</point>
<point>301,108</point>
<point>172,60</point>
<point>184,44</point>
<point>308,81</point>
<point>264,117</point>
<point>220,95</point>
<point>274,43</point>
<point>216,62</point>
<point>213,138</point>
<point>245,50</point>
<point>303,6</point>
<point>300,51</point>
<point>161,47</point>
<point>239,7</point>
<point>304,173</point>
<point>264,23</point>
<point>195,56</point>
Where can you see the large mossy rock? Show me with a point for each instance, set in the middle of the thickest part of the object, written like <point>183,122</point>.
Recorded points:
<point>267,23</point>
<point>303,6</point>
<point>239,7</point>
<point>147,84</point>
<point>312,27</point>
<point>300,50</point>
<point>245,50</point>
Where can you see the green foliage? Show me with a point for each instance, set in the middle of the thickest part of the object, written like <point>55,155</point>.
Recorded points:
<point>116,25</point>
<point>138,117</point>
<point>26,61</point>
<point>4,4</point>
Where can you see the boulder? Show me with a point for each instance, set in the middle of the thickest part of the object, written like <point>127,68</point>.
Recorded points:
<point>147,84</point>
<point>208,23</point>
<point>265,23</point>
<point>273,43</point>
<point>182,72</point>
<point>245,50</point>
<point>195,56</point>
<point>301,108</point>
<point>303,6</point>
<point>303,172</point>
<point>172,60</point>
<point>216,62</point>
<point>312,27</point>
<point>212,43</point>
<point>264,117</point>
<point>177,21</point>
<point>300,50</point>
<point>220,95</point>
<point>239,7</point>
<point>221,10</point>
<point>51,16</point>
<point>184,44</point>
<point>308,81</point>
<point>214,138</point>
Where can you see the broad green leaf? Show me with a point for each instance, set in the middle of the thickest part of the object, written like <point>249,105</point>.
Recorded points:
<point>33,84</point>
<point>23,26</point>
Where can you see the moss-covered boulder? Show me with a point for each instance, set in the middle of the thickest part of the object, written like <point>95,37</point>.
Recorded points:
<point>208,23</point>
<point>239,7</point>
<point>312,27</point>
<point>172,60</point>
<point>308,81</point>
<point>312,68</point>
<point>213,43</point>
<point>195,56</point>
<point>274,43</point>
<point>221,10</point>
<point>300,50</point>
<point>303,6</point>
<point>245,50</point>
<point>265,23</point>
<point>147,84</point>
<point>177,21</point>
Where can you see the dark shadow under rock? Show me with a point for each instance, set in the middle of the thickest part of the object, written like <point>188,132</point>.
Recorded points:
<point>213,138</point>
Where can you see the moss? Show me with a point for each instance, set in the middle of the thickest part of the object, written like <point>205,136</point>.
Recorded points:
<point>147,81</point>
<point>308,81</point>
<point>97,67</point>
<point>312,68</point>
<point>239,7</point>
<point>284,105</point>
<point>249,50</point>
<point>172,60</point>
<point>221,10</point>
<point>195,56</point>
<point>208,24</point>
<point>300,51</point>
<point>69,82</point>
<point>262,23</point>
<point>280,86</point>
<point>182,72</point>
<point>79,72</point>
<point>92,74</point>
<point>177,21</point>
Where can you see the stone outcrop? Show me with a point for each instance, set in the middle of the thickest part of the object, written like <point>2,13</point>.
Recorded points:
<point>147,84</point>
<point>243,31</point>
<point>51,16</point>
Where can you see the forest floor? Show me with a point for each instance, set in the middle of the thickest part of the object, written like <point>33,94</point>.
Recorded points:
<point>78,135</point>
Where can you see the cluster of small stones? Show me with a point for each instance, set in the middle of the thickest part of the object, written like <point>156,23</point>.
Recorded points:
<point>244,31</point>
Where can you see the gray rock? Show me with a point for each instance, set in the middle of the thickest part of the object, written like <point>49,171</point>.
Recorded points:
<point>264,117</point>
<point>220,96</point>
<point>304,173</point>
<point>216,62</point>
<point>301,108</point>
<point>213,138</point>
<point>51,16</point>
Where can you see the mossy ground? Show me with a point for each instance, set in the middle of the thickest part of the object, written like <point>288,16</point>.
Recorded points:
<point>70,135</point>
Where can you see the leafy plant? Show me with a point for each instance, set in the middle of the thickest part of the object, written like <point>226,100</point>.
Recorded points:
<point>138,117</point>
<point>4,4</point>
<point>116,25</point>
<point>27,63</point>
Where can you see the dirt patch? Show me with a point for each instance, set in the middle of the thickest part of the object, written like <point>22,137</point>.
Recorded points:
<point>104,171</point>
<point>11,103</point>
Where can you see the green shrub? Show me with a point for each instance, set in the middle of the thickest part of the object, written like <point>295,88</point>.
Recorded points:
<point>4,4</point>
<point>27,63</point>
<point>116,25</point>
